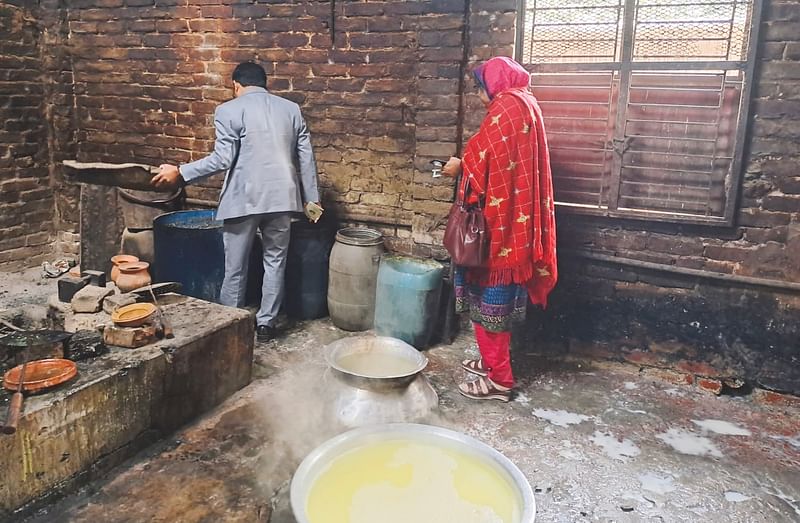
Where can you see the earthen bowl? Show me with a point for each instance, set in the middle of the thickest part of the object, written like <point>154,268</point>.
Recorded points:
<point>134,315</point>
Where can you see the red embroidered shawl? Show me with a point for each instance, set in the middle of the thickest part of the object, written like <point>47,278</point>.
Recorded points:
<point>507,164</point>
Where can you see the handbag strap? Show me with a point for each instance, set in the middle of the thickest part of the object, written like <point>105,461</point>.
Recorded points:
<point>464,190</point>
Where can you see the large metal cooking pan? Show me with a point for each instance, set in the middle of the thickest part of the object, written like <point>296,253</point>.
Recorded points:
<point>321,458</point>
<point>374,344</point>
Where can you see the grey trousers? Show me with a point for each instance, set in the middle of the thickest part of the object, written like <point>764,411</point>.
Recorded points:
<point>237,236</point>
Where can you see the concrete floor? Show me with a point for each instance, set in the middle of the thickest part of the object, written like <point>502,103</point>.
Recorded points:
<point>598,442</point>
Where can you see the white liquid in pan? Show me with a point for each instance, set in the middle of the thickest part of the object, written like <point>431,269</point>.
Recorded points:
<point>407,481</point>
<point>377,364</point>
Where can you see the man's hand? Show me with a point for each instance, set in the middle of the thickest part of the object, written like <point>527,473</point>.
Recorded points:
<point>452,168</point>
<point>313,211</point>
<point>168,177</point>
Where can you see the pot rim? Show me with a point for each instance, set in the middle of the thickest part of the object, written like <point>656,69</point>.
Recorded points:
<point>335,350</point>
<point>309,469</point>
<point>133,266</point>
<point>359,236</point>
<point>124,258</point>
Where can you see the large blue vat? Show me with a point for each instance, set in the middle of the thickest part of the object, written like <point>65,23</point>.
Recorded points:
<point>189,250</point>
<point>407,298</point>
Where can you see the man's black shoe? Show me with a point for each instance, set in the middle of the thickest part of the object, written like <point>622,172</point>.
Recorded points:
<point>265,333</point>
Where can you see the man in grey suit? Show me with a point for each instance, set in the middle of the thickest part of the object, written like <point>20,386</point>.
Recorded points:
<point>264,146</point>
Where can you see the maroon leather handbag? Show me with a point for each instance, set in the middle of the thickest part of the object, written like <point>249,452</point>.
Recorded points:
<point>466,237</point>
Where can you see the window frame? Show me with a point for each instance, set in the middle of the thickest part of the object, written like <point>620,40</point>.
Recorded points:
<point>624,67</point>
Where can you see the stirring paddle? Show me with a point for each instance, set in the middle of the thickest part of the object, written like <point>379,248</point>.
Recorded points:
<point>15,407</point>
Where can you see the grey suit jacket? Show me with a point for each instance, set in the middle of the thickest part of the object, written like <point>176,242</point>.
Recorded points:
<point>263,143</point>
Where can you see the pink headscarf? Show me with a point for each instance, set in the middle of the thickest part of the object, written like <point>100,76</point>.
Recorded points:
<point>501,73</point>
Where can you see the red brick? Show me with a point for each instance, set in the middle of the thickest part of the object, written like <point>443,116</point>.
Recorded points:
<point>290,40</point>
<point>709,385</point>
<point>172,26</point>
<point>769,397</point>
<point>216,11</point>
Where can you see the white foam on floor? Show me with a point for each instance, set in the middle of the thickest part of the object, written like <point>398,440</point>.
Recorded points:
<point>735,497</point>
<point>522,398</point>
<point>718,426</point>
<point>689,443</point>
<point>615,448</point>
<point>657,483</point>
<point>560,418</point>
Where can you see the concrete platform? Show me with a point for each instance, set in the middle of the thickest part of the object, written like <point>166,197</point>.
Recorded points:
<point>597,442</point>
<point>123,401</point>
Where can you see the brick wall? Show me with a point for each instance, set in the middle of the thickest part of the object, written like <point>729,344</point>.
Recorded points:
<point>381,101</point>
<point>36,111</point>
<point>26,199</point>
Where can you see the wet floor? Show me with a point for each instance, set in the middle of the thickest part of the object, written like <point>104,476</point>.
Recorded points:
<point>599,442</point>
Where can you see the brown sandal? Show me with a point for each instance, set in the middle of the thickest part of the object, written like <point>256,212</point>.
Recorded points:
<point>484,389</point>
<point>475,367</point>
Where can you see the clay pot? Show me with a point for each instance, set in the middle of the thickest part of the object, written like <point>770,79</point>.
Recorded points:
<point>133,275</point>
<point>116,261</point>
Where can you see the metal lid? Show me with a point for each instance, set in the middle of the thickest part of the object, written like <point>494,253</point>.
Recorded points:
<point>359,236</point>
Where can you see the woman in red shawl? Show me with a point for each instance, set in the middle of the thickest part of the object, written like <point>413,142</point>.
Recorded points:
<point>507,167</point>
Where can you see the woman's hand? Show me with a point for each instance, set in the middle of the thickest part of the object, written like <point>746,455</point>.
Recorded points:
<point>452,168</point>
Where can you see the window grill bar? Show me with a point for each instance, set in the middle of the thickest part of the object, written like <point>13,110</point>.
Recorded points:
<point>521,27</point>
<point>676,122</point>
<point>665,169</point>
<point>682,139</point>
<point>699,65</point>
<point>672,106</point>
<point>618,129</point>
<point>733,179</point>
<point>648,23</point>
<point>608,7</point>
<point>679,155</point>
<point>710,39</point>
<point>577,24</point>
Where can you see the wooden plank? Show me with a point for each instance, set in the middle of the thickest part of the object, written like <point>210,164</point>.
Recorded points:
<point>575,125</point>
<point>579,198</point>
<point>671,145</point>
<point>677,162</point>
<point>669,193</point>
<point>711,80</point>
<point>673,113</point>
<point>569,93</point>
<point>662,205</point>
<point>574,110</point>
<point>660,128</point>
<point>572,80</point>
<point>702,97</point>
<point>578,140</point>
<point>559,156</point>
<point>656,175</point>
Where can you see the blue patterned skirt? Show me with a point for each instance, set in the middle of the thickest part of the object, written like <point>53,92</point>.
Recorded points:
<point>494,308</point>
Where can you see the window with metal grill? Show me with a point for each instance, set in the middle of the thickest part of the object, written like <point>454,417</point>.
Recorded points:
<point>645,102</point>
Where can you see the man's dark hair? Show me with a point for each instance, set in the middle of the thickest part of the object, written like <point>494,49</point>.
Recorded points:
<point>249,73</point>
